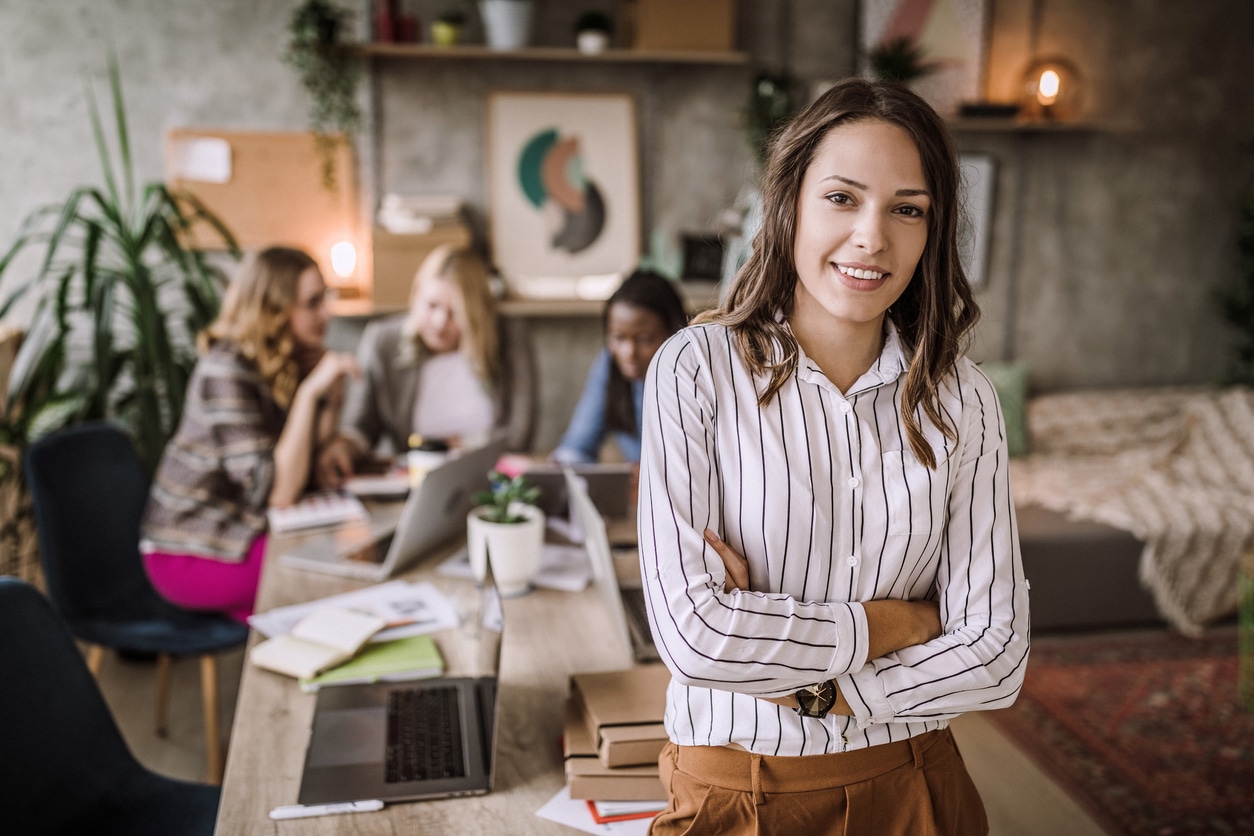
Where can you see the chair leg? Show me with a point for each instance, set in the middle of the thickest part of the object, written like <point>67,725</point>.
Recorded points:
<point>213,745</point>
<point>95,655</point>
<point>163,694</point>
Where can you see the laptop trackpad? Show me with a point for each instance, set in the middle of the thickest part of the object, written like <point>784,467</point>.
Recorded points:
<point>348,736</point>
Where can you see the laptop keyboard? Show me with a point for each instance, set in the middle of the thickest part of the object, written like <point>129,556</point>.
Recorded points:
<point>424,740</point>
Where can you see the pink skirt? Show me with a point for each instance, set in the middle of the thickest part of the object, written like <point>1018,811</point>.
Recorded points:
<point>202,583</point>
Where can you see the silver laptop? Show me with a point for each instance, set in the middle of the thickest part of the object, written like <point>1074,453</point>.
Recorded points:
<point>626,605</point>
<point>433,514</point>
<point>434,738</point>
<point>608,483</point>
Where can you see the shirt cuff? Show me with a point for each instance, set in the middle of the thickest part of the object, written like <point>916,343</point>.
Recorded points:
<point>866,697</point>
<point>853,644</point>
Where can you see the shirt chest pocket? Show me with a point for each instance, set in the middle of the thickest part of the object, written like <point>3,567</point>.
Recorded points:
<point>914,495</point>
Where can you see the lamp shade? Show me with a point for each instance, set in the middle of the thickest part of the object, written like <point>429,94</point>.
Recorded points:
<point>1052,90</point>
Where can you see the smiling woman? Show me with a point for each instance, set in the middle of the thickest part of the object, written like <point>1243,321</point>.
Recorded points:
<point>827,538</point>
<point>857,243</point>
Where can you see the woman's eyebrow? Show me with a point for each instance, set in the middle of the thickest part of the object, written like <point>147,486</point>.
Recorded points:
<point>855,184</point>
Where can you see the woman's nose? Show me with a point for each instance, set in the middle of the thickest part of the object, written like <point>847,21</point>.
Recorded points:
<point>869,232</point>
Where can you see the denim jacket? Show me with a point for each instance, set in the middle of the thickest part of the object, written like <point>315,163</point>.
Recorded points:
<point>582,441</point>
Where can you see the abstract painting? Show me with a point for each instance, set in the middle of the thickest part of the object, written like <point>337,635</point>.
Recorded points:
<point>563,184</point>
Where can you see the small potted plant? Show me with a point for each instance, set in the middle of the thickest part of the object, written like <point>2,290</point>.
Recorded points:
<point>507,528</point>
<point>592,32</point>
<point>447,29</point>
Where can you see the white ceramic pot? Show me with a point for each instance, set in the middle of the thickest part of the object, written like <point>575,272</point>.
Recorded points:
<point>592,41</point>
<point>506,23</point>
<point>515,549</point>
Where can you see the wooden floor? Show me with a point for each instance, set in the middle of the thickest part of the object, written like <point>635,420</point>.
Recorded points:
<point>1020,799</point>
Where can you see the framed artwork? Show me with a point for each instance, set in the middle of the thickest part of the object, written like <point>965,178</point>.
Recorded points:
<point>979,174</point>
<point>563,185</point>
<point>950,34</point>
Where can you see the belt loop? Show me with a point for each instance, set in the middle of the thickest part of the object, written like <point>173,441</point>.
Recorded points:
<point>917,750</point>
<point>755,778</point>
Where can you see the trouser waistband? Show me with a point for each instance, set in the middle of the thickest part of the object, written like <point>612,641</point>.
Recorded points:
<point>742,771</point>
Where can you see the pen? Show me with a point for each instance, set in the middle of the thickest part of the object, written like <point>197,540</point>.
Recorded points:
<point>302,811</point>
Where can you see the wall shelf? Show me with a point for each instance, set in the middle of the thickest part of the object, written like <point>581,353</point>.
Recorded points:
<point>428,52</point>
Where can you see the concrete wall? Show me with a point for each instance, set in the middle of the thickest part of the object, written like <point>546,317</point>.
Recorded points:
<point>1113,243</point>
<point>1109,244</point>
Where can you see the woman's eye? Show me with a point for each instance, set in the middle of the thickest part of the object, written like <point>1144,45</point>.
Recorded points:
<point>911,211</point>
<point>839,198</point>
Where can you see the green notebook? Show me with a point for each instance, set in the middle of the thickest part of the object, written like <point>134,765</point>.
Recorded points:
<point>398,660</point>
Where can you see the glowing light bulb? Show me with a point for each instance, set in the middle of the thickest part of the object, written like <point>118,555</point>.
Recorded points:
<point>1048,87</point>
<point>343,259</point>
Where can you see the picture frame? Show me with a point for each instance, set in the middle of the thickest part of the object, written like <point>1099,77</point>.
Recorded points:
<point>563,191</point>
<point>951,34</point>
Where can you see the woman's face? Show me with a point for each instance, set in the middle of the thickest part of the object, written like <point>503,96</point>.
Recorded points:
<point>862,221</point>
<point>633,335</point>
<point>310,316</point>
<point>433,313</point>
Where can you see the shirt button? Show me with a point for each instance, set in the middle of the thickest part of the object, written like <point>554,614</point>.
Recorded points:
<point>851,560</point>
<point>845,407</point>
<point>853,481</point>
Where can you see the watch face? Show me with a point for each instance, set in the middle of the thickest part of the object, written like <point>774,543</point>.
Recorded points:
<point>816,700</point>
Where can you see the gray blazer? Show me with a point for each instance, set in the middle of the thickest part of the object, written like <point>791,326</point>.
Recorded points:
<point>381,404</point>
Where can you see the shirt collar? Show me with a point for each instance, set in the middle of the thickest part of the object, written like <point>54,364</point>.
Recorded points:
<point>887,367</point>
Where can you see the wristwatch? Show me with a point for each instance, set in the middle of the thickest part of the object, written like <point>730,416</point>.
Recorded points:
<point>816,700</point>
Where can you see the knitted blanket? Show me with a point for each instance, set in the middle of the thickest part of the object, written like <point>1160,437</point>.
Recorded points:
<point>1174,467</point>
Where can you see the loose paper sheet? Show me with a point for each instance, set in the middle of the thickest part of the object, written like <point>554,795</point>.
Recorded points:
<point>412,609</point>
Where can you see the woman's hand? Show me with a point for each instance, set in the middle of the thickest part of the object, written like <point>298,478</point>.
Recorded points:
<point>328,376</point>
<point>334,462</point>
<point>737,567</point>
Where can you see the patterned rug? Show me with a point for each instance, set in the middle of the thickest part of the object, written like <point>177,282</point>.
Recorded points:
<point>1146,730</point>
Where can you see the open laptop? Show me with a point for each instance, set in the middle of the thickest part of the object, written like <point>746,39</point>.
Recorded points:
<point>626,604</point>
<point>433,514</point>
<point>608,483</point>
<point>433,738</point>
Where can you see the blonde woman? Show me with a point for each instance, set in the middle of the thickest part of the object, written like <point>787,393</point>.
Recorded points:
<point>447,369</point>
<point>263,394</point>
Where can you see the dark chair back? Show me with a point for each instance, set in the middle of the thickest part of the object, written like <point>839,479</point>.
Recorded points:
<point>64,767</point>
<point>89,491</point>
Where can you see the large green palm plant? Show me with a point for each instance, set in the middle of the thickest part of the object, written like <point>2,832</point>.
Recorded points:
<point>117,300</point>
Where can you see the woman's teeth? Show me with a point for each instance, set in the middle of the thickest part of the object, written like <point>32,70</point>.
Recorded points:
<point>854,272</point>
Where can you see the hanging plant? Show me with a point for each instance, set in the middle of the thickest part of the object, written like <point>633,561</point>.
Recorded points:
<point>330,71</point>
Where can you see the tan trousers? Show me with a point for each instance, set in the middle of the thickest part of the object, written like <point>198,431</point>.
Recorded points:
<point>915,787</point>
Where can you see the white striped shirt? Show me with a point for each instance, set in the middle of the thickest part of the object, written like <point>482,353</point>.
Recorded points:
<point>822,495</point>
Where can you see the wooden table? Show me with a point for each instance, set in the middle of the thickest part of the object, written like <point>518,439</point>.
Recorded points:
<point>548,636</point>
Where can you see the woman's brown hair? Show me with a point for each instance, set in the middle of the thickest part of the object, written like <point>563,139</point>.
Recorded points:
<point>256,315</point>
<point>937,310</point>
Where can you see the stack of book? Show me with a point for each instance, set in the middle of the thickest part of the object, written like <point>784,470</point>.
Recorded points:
<point>614,734</point>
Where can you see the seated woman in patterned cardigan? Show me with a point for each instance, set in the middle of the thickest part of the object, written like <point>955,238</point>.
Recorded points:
<point>263,395</point>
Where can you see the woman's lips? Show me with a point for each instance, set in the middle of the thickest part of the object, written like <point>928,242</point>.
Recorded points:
<point>858,278</point>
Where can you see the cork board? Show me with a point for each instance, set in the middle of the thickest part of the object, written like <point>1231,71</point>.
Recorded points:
<point>267,188</point>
